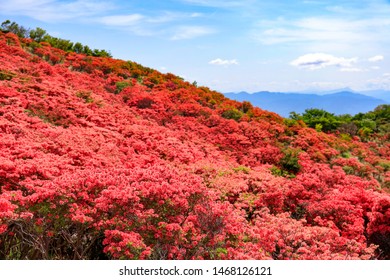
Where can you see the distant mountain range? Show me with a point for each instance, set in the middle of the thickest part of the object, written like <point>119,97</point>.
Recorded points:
<point>343,102</point>
<point>380,94</point>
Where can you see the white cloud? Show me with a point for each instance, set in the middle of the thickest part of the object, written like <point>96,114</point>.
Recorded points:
<point>167,16</point>
<point>352,69</point>
<point>190,32</point>
<point>376,58</point>
<point>313,2</point>
<point>54,10</point>
<point>329,31</point>
<point>224,62</point>
<point>131,19</point>
<point>219,3</point>
<point>162,24</point>
<point>318,86</point>
<point>382,82</point>
<point>314,61</point>
<point>122,20</point>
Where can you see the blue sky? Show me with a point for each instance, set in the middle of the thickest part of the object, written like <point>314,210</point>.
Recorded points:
<point>231,45</point>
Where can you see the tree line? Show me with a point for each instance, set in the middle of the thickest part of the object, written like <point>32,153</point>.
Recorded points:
<point>362,124</point>
<point>40,35</point>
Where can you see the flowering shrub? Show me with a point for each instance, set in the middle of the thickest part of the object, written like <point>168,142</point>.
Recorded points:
<point>107,159</point>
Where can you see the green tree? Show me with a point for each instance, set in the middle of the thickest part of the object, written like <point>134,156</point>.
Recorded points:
<point>315,117</point>
<point>78,48</point>
<point>87,50</point>
<point>232,114</point>
<point>8,26</point>
<point>38,34</point>
<point>101,53</point>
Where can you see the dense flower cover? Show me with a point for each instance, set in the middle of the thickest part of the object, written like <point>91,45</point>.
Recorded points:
<point>107,159</point>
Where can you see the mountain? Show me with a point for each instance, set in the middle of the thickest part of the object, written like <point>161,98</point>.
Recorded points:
<point>323,92</point>
<point>283,103</point>
<point>102,158</point>
<point>380,94</point>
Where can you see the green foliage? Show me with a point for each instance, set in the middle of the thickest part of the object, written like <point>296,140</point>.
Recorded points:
<point>34,45</point>
<point>78,47</point>
<point>384,128</point>
<point>242,168</point>
<point>318,127</point>
<point>382,116</point>
<point>281,173</point>
<point>368,123</point>
<point>289,161</point>
<point>219,253</point>
<point>346,154</point>
<point>290,122</point>
<point>40,35</point>
<point>320,119</point>
<point>101,53</point>
<point>87,50</point>
<point>247,107</point>
<point>233,114</point>
<point>8,26</point>
<point>362,124</point>
<point>86,95</point>
<point>58,43</point>
<point>385,164</point>
<point>349,170</point>
<point>6,75</point>
<point>346,137</point>
<point>365,132</point>
<point>122,85</point>
<point>295,116</point>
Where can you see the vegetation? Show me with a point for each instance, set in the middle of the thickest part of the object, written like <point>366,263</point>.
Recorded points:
<point>40,35</point>
<point>376,122</point>
<point>106,159</point>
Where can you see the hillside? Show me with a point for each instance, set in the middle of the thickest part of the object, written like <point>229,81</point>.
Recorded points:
<point>106,159</point>
<point>343,102</point>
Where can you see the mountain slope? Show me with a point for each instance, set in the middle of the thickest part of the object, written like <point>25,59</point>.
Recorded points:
<point>285,103</point>
<point>380,94</point>
<point>103,158</point>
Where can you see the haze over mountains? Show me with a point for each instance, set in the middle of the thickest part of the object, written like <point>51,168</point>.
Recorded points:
<point>339,102</point>
<point>376,93</point>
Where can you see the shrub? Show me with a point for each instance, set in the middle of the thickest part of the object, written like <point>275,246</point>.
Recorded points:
<point>233,114</point>
<point>289,161</point>
<point>86,95</point>
<point>122,85</point>
<point>144,103</point>
<point>6,75</point>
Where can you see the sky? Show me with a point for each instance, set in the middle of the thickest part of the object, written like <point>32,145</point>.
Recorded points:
<point>231,46</point>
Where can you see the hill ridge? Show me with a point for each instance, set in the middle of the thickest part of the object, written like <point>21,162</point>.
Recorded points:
<point>107,159</point>
<point>284,103</point>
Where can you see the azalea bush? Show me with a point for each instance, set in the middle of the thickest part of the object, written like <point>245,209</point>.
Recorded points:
<point>106,159</point>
